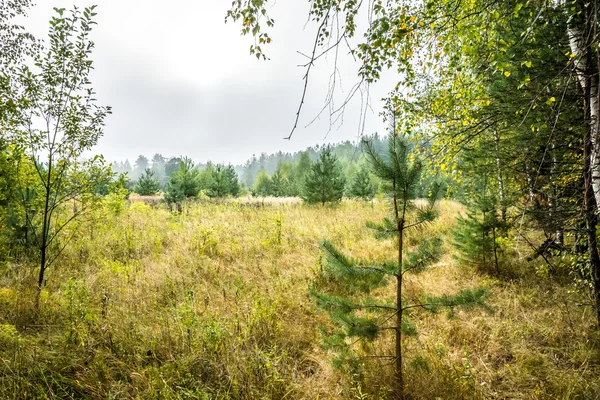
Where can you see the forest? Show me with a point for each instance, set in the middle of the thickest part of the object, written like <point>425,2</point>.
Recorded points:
<point>452,256</point>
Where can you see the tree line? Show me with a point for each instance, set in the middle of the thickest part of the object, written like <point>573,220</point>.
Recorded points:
<point>276,175</point>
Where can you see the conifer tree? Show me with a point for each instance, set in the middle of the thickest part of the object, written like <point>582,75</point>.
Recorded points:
<point>232,178</point>
<point>223,181</point>
<point>147,185</point>
<point>345,285</point>
<point>278,185</point>
<point>262,187</point>
<point>301,171</point>
<point>219,184</point>
<point>475,234</point>
<point>361,186</point>
<point>325,182</point>
<point>184,183</point>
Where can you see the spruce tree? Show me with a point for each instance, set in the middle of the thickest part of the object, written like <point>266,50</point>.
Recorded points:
<point>344,288</point>
<point>361,186</point>
<point>147,185</point>
<point>325,182</point>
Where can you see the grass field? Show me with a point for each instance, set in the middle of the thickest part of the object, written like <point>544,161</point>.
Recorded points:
<point>212,303</point>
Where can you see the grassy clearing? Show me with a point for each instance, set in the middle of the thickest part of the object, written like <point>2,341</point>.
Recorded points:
<point>212,303</point>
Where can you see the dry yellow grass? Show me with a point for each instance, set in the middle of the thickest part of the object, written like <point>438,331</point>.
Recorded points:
<point>213,303</point>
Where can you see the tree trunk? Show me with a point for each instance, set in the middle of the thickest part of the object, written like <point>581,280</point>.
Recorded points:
<point>555,218</point>
<point>530,181</point>
<point>501,194</point>
<point>40,284</point>
<point>582,33</point>
<point>45,234</point>
<point>399,306</point>
<point>399,374</point>
<point>591,223</point>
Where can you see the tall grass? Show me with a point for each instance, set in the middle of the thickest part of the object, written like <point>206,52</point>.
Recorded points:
<point>212,303</point>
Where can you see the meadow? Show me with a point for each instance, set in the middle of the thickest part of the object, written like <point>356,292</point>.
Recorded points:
<point>212,303</point>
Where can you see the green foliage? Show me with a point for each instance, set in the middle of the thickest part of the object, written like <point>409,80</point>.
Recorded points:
<point>263,185</point>
<point>475,235</point>
<point>344,286</point>
<point>172,166</point>
<point>302,170</point>
<point>147,185</point>
<point>325,182</point>
<point>223,182</point>
<point>361,186</point>
<point>54,119</point>
<point>183,183</point>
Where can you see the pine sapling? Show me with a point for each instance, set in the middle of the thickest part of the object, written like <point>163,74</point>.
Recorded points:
<point>345,285</point>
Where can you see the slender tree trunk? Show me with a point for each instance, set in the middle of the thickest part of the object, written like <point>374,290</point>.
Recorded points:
<point>399,306</point>
<point>501,194</point>
<point>45,233</point>
<point>530,181</point>
<point>399,374</point>
<point>495,251</point>
<point>555,199</point>
<point>591,224</point>
<point>483,237</point>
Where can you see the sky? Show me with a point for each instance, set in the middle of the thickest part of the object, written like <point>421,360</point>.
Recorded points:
<point>182,82</point>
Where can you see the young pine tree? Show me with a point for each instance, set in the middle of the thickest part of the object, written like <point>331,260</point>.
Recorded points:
<point>219,185</point>
<point>345,286</point>
<point>475,235</point>
<point>361,186</point>
<point>325,182</point>
<point>263,185</point>
<point>184,183</point>
<point>232,178</point>
<point>147,185</point>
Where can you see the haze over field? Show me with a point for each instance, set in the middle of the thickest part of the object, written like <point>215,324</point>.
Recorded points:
<point>181,82</point>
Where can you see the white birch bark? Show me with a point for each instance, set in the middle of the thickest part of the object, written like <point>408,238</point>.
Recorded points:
<point>580,36</point>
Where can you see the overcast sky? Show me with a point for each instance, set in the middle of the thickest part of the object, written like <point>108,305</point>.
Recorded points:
<point>182,82</point>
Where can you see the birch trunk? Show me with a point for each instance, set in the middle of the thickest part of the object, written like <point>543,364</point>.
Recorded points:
<point>582,31</point>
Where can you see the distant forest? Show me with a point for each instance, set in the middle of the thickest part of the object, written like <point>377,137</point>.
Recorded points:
<point>347,152</point>
<point>285,171</point>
